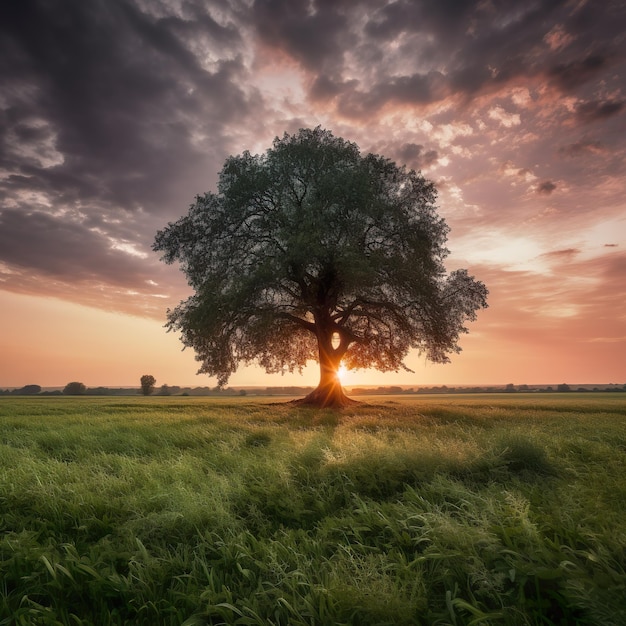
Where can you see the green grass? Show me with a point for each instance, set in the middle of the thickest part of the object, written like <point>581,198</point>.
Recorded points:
<point>494,509</point>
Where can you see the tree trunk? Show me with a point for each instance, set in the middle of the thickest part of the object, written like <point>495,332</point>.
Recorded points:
<point>329,393</point>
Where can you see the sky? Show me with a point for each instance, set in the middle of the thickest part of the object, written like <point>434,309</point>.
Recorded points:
<point>115,114</point>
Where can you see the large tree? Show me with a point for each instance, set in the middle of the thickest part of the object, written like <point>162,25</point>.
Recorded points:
<point>315,251</point>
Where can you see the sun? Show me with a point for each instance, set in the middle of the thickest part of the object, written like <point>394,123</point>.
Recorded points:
<point>342,373</point>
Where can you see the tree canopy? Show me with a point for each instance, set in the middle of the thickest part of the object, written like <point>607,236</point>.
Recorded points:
<point>147,384</point>
<point>313,251</point>
<point>74,388</point>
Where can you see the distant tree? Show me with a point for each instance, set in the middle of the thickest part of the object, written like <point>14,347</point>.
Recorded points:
<point>147,384</point>
<point>165,391</point>
<point>28,390</point>
<point>510,388</point>
<point>563,387</point>
<point>74,389</point>
<point>313,251</point>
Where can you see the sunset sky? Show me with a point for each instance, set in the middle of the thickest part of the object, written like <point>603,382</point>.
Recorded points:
<point>114,114</point>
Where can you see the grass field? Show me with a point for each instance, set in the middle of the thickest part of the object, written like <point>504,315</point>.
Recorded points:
<point>493,509</point>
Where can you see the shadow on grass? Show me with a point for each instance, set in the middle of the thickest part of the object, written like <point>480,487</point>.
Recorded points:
<point>315,485</point>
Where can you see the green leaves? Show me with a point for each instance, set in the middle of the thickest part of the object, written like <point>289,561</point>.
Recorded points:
<point>312,236</point>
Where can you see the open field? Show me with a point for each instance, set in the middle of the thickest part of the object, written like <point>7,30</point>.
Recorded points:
<point>494,509</point>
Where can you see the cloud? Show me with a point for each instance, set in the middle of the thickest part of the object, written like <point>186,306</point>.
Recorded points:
<point>598,110</point>
<point>315,34</point>
<point>577,298</point>
<point>369,56</point>
<point>558,38</point>
<point>417,156</point>
<point>584,147</point>
<point>66,257</point>
<point>546,187</point>
<point>561,255</point>
<point>115,100</point>
<point>569,76</point>
<point>61,248</point>
<point>504,118</point>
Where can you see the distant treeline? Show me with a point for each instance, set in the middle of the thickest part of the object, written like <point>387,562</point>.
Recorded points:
<point>165,390</point>
<point>510,388</point>
<point>174,390</point>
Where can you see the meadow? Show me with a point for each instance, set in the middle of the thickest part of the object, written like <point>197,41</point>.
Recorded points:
<point>492,509</point>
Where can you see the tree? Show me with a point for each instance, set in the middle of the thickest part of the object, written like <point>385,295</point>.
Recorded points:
<point>74,389</point>
<point>314,251</point>
<point>28,390</point>
<point>147,384</point>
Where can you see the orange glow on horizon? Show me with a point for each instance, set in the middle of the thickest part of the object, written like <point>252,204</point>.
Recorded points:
<point>50,342</point>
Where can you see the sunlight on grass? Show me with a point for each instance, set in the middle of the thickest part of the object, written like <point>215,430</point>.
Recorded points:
<point>429,510</point>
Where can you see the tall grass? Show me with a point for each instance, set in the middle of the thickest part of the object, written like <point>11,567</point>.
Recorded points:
<point>458,510</point>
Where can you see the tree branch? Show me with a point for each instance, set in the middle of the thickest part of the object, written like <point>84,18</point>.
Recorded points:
<point>310,326</point>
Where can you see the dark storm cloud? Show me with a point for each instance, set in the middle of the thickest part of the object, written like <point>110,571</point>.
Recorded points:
<point>112,94</point>
<point>416,155</point>
<point>63,249</point>
<point>112,114</point>
<point>416,89</point>
<point>598,110</point>
<point>421,52</point>
<point>546,187</point>
<point>325,88</point>
<point>73,259</point>
<point>571,75</point>
<point>313,38</point>
<point>450,16</point>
